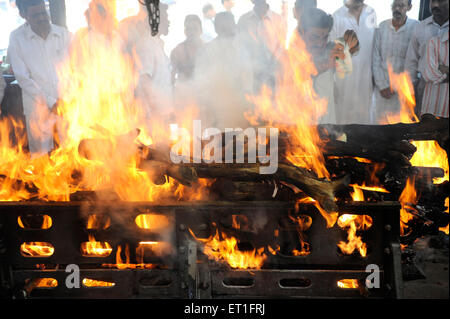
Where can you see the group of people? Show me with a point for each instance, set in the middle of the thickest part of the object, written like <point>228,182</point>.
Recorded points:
<point>222,60</point>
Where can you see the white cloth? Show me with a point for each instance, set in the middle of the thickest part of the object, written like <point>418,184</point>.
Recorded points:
<point>354,93</point>
<point>209,30</point>
<point>324,87</point>
<point>34,62</point>
<point>2,88</point>
<point>435,98</point>
<point>390,48</point>
<point>264,39</point>
<point>155,88</point>
<point>425,30</point>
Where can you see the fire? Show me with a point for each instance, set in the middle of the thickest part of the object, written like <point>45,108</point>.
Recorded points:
<point>97,222</point>
<point>430,154</point>
<point>45,222</point>
<point>94,248</point>
<point>225,249</point>
<point>445,229</point>
<point>152,221</point>
<point>354,223</point>
<point>295,107</point>
<point>303,223</point>
<point>37,249</point>
<point>100,125</point>
<point>43,282</point>
<point>402,85</point>
<point>408,198</point>
<point>348,283</point>
<point>97,283</point>
<point>121,264</point>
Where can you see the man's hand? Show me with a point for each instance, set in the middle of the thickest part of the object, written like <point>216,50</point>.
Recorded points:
<point>444,69</point>
<point>352,41</point>
<point>386,93</point>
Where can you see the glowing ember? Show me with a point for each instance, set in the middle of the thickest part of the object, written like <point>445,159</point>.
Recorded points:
<point>37,249</point>
<point>152,221</point>
<point>45,222</point>
<point>225,249</point>
<point>445,229</point>
<point>43,282</point>
<point>348,283</point>
<point>94,248</point>
<point>97,283</point>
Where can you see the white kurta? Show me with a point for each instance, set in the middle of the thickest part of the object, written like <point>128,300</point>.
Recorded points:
<point>153,65</point>
<point>354,93</point>
<point>390,49</point>
<point>34,62</point>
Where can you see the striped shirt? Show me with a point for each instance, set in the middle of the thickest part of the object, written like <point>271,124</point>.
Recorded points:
<point>390,48</point>
<point>435,99</point>
<point>416,50</point>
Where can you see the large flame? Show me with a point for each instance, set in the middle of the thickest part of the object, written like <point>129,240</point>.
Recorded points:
<point>295,107</point>
<point>408,199</point>
<point>223,248</point>
<point>100,125</point>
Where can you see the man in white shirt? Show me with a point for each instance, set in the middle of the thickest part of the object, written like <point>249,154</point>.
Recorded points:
<point>263,33</point>
<point>35,50</point>
<point>425,30</point>
<point>209,14</point>
<point>391,44</point>
<point>354,93</point>
<point>154,89</point>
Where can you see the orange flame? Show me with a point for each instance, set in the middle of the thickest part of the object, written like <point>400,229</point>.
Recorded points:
<point>37,249</point>
<point>225,249</point>
<point>97,283</point>
<point>94,248</point>
<point>348,283</point>
<point>445,229</point>
<point>407,198</point>
<point>295,107</point>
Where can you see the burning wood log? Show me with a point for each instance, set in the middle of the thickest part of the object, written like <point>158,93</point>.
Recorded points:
<point>429,128</point>
<point>321,190</point>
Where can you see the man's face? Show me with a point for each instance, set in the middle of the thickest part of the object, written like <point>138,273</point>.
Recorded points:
<point>37,17</point>
<point>228,4</point>
<point>439,9</point>
<point>400,8</point>
<point>354,4</point>
<point>316,39</point>
<point>259,3</point>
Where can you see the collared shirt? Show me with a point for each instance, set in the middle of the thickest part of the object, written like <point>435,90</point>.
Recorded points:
<point>419,39</point>
<point>209,30</point>
<point>390,49</point>
<point>435,99</point>
<point>353,98</point>
<point>34,62</point>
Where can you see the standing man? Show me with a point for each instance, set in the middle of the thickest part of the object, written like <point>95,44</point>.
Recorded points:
<point>185,54</point>
<point>263,33</point>
<point>35,50</point>
<point>153,65</point>
<point>391,44</point>
<point>354,93</point>
<point>209,13</point>
<point>428,28</point>
<point>435,72</point>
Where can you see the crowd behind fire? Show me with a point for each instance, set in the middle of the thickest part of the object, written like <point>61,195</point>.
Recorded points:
<point>226,60</point>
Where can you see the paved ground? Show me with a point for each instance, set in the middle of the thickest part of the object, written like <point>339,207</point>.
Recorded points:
<point>434,262</point>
